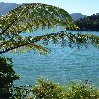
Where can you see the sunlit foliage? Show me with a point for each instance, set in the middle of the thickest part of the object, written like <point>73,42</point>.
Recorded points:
<point>28,18</point>
<point>45,89</point>
<point>81,91</point>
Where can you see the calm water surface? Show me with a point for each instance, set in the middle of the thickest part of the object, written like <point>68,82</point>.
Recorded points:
<point>61,65</point>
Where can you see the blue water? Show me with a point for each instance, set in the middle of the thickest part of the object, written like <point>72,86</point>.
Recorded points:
<point>62,65</point>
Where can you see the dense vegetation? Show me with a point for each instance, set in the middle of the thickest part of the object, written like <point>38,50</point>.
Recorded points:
<point>89,23</point>
<point>28,18</point>
<point>7,76</point>
<point>45,89</point>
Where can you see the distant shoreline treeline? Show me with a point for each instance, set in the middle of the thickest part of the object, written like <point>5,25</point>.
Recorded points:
<point>89,23</point>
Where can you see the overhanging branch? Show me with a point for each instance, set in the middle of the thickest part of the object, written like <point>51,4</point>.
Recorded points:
<point>76,39</point>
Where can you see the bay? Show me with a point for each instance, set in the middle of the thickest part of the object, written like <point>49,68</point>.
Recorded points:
<point>62,65</point>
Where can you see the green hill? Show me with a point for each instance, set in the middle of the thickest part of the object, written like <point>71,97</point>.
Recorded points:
<point>89,23</point>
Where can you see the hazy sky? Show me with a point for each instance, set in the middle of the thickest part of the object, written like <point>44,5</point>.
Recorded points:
<point>86,7</point>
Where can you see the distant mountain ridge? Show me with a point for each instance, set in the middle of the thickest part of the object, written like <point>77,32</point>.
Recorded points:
<point>6,7</point>
<point>77,16</point>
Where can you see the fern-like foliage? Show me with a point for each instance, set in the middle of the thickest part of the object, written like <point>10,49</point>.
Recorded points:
<point>28,18</point>
<point>31,16</point>
<point>64,38</point>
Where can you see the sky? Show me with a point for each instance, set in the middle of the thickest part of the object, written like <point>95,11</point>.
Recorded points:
<point>86,7</point>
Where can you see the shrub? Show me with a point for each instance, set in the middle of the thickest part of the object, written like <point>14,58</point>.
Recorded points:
<point>22,92</point>
<point>46,89</point>
<point>7,76</point>
<point>81,91</point>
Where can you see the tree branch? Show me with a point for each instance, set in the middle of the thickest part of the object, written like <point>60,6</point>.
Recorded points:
<point>77,39</point>
<point>33,40</point>
<point>9,25</point>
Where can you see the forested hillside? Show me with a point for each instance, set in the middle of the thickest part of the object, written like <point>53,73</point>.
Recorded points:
<point>89,23</point>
